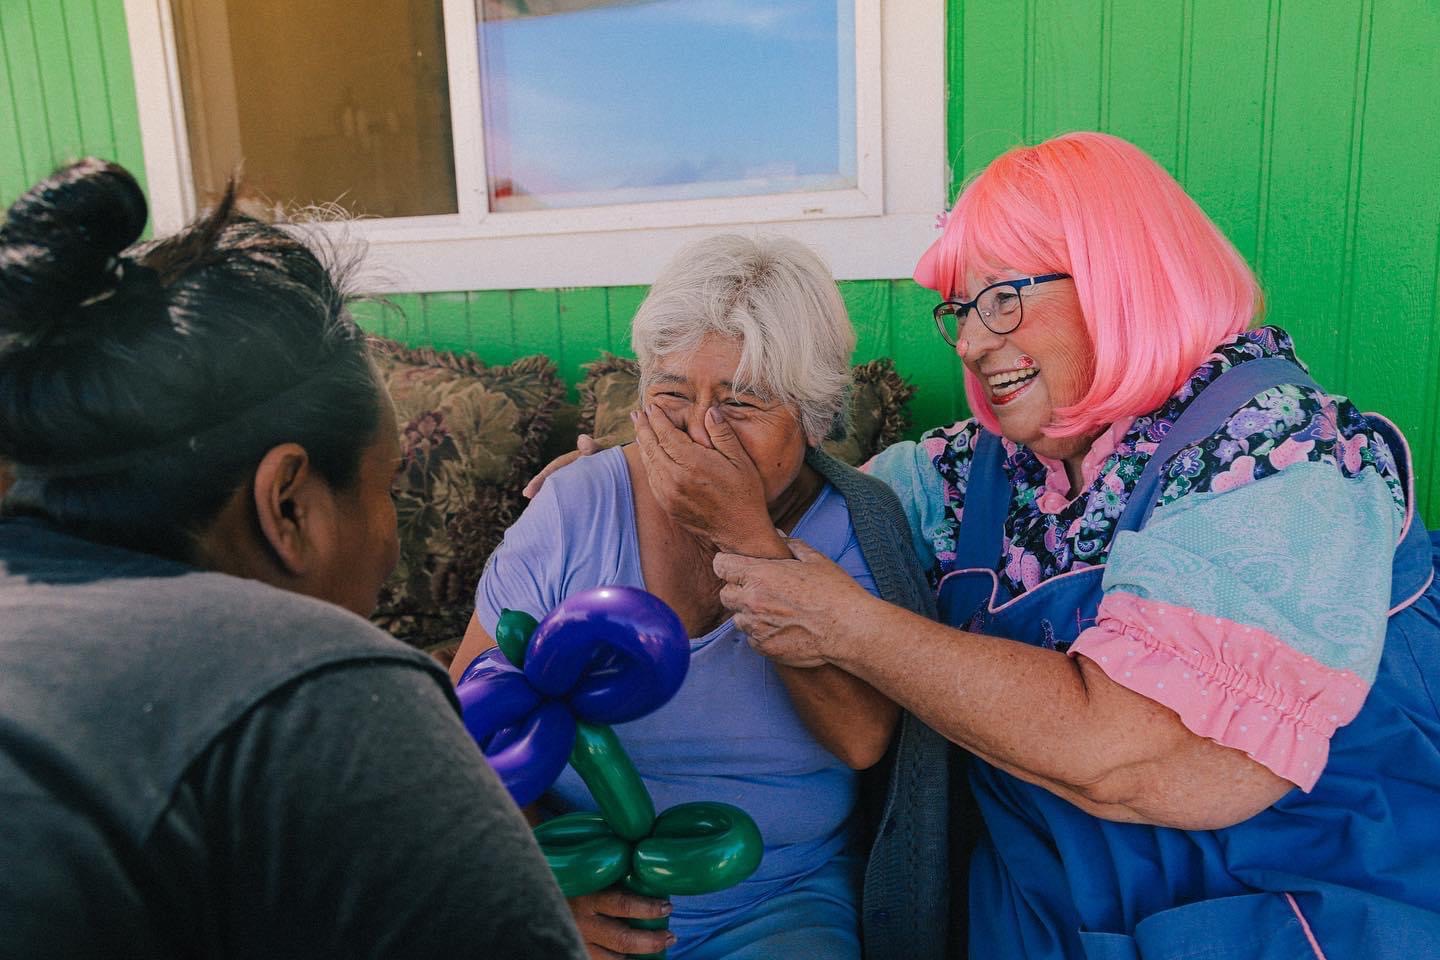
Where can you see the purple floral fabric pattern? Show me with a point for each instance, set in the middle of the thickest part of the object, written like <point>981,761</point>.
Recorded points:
<point>1275,429</point>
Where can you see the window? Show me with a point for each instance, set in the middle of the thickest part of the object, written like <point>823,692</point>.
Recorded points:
<point>608,103</point>
<point>534,143</point>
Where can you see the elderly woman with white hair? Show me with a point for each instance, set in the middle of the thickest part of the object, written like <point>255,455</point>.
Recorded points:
<point>744,345</point>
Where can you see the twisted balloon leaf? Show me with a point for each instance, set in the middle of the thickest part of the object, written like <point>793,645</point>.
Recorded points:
<point>695,848</point>
<point>583,852</point>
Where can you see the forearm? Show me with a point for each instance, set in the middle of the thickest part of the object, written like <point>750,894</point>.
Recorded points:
<point>850,718</point>
<point>1055,721</point>
<point>1002,700</point>
<point>756,539</point>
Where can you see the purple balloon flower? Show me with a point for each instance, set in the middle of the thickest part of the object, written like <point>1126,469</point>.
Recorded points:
<point>602,656</point>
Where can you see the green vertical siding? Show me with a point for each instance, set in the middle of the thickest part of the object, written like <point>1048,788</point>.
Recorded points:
<point>1308,130</point>
<point>572,326</point>
<point>66,88</point>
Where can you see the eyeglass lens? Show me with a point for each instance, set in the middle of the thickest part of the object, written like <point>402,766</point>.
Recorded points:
<point>1001,310</point>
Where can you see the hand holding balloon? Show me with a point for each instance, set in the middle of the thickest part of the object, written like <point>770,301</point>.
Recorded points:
<point>549,691</point>
<point>616,922</point>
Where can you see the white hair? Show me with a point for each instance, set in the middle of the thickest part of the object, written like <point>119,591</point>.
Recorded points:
<point>777,298</point>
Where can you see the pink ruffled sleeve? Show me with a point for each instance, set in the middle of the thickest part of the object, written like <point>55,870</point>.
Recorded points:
<point>1232,683</point>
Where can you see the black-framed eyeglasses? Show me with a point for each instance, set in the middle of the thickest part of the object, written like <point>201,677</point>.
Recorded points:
<point>1000,306</point>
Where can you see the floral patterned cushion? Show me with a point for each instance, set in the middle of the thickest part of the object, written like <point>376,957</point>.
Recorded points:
<point>878,406</point>
<point>471,436</point>
<point>879,412</point>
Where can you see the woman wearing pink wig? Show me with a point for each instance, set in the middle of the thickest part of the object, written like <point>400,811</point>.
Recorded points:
<point>1185,641</point>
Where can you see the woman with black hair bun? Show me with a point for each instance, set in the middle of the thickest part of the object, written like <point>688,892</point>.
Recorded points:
<point>204,749</point>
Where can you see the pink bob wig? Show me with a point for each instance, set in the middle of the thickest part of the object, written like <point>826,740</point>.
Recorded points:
<point>1159,285</point>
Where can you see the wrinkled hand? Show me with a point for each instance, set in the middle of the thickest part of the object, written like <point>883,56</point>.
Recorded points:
<point>607,936</point>
<point>714,492</point>
<point>584,446</point>
<point>796,612</point>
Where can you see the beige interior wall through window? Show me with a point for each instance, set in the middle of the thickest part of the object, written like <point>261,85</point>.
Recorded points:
<point>325,101</point>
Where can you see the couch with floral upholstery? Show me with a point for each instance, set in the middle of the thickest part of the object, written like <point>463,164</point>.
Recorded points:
<point>473,434</point>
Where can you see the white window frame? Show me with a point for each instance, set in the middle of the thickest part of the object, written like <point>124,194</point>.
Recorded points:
<point>875,231</point>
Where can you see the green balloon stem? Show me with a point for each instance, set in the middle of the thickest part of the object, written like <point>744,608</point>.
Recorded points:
<point>512,634</point>
<point>613,780</point>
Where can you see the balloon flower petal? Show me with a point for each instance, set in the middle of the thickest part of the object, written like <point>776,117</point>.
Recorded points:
<point>532,756</point>
<point>490,662</point>
<point>527,741</point>
<point>615,653</point>
<point>493,695</point>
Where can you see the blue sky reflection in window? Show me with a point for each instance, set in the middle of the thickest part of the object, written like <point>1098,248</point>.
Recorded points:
<point>592,102</point>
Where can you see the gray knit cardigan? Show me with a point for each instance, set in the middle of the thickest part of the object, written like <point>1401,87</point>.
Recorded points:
<point>911,910</point>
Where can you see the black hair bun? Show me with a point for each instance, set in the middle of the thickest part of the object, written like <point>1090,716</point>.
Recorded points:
<point>59,242</point>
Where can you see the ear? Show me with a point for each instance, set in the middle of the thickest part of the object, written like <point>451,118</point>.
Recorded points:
<point>294,508</point>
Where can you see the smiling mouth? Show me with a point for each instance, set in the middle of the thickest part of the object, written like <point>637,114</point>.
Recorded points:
<point>1008,386</point>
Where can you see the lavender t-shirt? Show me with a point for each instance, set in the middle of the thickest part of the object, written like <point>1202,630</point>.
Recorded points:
<point>731,733</point>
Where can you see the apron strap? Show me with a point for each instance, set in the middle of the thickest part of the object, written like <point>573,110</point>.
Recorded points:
<point>1206,414</point>
<point>981,537</point>
<point>1413,568</point>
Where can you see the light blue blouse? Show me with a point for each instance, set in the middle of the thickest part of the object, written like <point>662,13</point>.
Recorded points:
<point>730,734</point>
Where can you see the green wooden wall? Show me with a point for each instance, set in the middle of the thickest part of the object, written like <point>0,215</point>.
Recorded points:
<point>66,88</point>
<point>572,326</point>
<point>1309,129</point>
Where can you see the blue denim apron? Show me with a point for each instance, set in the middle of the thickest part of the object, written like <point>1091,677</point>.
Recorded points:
<point>1351,869</point>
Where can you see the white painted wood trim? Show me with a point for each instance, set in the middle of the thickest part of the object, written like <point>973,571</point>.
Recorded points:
<point>875,231</point>
<point>467,127</point>
<point>162,113</point>
<point>869,107</point>
<point>884,247</point>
